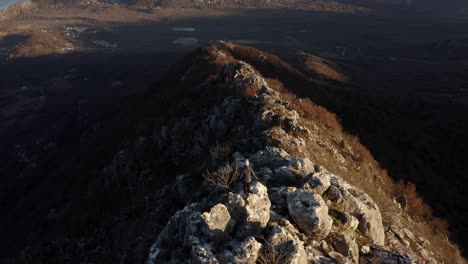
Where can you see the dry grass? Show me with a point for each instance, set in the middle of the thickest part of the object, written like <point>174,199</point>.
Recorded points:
<point>417,208</point>
<point>219,153</point>
<point>312,112</point>
<point>224,177</point>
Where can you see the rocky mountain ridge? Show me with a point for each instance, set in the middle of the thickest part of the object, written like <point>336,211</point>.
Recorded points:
<point>298,212</point>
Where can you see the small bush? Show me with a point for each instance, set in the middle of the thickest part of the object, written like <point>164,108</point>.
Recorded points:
<point>224,177</point>
<point>313,112</point>
<point>416,207</point>
<point>363,154</point>
<point>268,255</point>
<point>249,91</point>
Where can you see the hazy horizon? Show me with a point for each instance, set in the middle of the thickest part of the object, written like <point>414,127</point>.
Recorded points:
<point>6,3</point>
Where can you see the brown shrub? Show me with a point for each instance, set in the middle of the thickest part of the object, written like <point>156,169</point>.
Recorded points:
<point>416,206</point>
<point>250,91</point>
<point>363,154</point>
<point>313,112</point>
<point>224,177</point>
<point>275,84</point>
<point>268,255</point>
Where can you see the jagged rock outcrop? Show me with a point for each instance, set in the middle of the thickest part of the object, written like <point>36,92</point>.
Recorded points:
<point>288,246</point>
<point>224,229</point>
<point>360,205</point>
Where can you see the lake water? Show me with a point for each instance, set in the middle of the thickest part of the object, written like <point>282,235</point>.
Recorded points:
<point>6,3</point>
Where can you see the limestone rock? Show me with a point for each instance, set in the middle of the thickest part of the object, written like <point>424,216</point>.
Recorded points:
<point>310,212</point>
<point>217,223</point>
<point>202,254</point>
<point>256,211</point>
<point>182,229</point>
<point>284,176</point>
<point>270,157</point>
<point>378,255</point>
<point>236,206</point>
<point>348,221</point>
<point>317,183</point>
<point>278,197</point>
<point>288,245</point>
<point>247,251</point>
<point>360,205</point>
<point>303,166</point>
<point>346,246</point>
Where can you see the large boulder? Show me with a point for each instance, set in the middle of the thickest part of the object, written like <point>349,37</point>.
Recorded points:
<point>317,183</point>
<point>360,205</point>
<point>217,224</point>
<point>182,229</point>
<point>256,212</point>
<point>310,212</point>
<point>290,248</point>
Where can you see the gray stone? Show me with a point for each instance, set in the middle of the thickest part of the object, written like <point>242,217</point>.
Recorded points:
<point>346,246</point>
<point>288,245</point>
<point>348,221</point>
<point>360,205</point>
<point>303,166</point>
<point>310,213</point>
<point>270,157</point>
<point>256,212</point>
<point>284,176</point>
<point>378,255</point>
<point>217,223</point>
<point>247,251</point>
<point>317,183</point>
<point>278,197</point>
<point>202,254</point>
